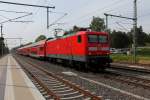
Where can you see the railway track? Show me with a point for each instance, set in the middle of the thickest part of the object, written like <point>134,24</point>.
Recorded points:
<point>55,87</point>
<point>136,79</point>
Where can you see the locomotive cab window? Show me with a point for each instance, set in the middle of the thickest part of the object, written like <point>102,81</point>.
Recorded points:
<point>102,39</point>
<point>92,38</point>
<point>79,39</point>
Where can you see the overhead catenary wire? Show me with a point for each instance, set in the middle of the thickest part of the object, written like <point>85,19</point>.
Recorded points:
<point>21,4</point>
<point>89,15</point>
<point>4,17</point>
<point>55,22</point>
<point>14,19</point>
<point>13,11</point>
<point>9,20</point>
<point>27,25</point>
<point>122,26</point>
<point>99,9</point>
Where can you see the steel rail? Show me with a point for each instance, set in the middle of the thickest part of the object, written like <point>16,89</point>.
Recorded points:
<point>127,78</point>
<point>86,93</point>
<point>73,86</point>
<point>39,82</point>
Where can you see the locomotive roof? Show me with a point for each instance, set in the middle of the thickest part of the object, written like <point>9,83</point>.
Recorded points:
<point>79,33</point>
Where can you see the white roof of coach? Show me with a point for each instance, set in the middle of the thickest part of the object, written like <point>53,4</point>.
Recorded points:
<point>33,44</point>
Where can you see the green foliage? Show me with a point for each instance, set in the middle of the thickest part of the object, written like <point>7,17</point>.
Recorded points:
<point>141,37</point>
<point>97,24</point>
<point>143,56</point>
<point>119,40</point>
<point>74,30</point>
<point>121,58</point>
<point>122,40</point>
<point>41,37</point>
<point>3,48</point>
<point>143,52</point>
<point>148,38</point>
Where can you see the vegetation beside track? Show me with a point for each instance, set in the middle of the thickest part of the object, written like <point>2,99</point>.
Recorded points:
<point>143,57</point>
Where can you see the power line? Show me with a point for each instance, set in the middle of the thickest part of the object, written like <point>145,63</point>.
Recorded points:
<point>4,17</point>
<point>144,15</point>
<point>14,11</point>
<point>30,5</point>
<point>35,13</point>
<point>53,23</point>
<point>21,4</point>
<point>9,20</point>
<point>99,9</point>
<point>89,14</point>
<point>121,26</point>
<point>31,17</point>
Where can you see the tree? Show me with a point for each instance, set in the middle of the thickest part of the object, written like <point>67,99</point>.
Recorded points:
<point>3,49</point>
<point>148,38</point>
<point>75,29</point>
<point>97,24</point>
<point>141,37</point>
<point>41,37</point>
<point>119,39</point>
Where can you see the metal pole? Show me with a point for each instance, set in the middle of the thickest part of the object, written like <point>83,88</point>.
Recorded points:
<point>20,41</point>
<point>2,47</point>
<point>1,30</point>
<point>47,18</point>
<point>106,22</point>
<point>134,27</point>
<point>1,40</point>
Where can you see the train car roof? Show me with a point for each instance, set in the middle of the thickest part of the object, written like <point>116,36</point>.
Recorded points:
<point>33,44</point>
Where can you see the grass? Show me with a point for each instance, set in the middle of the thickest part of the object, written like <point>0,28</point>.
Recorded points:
<point>143,57</point>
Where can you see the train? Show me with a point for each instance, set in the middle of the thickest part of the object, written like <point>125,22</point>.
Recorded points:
<point>85,49</point>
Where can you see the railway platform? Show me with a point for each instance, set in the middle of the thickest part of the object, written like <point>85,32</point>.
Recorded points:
<point>14,83</point>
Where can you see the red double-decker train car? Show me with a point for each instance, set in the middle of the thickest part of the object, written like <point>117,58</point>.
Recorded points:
<point>87,48</point>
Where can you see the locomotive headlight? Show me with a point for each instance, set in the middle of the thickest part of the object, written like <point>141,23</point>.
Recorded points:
<point>92,48</point>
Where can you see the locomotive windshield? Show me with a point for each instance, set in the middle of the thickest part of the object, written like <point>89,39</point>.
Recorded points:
<point>102,39</point>
<point>92,38</point>
<point>97,39</point>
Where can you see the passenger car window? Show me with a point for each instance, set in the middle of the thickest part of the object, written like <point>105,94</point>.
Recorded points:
<point>41,48</point>
<point>79,39</point>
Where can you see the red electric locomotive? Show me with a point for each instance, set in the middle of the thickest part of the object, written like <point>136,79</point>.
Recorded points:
<point>83,47</point>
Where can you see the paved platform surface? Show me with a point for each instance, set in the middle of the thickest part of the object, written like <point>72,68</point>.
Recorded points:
<point>14,83</point>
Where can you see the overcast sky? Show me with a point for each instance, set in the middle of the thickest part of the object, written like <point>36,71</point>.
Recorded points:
<point>79,12</point>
